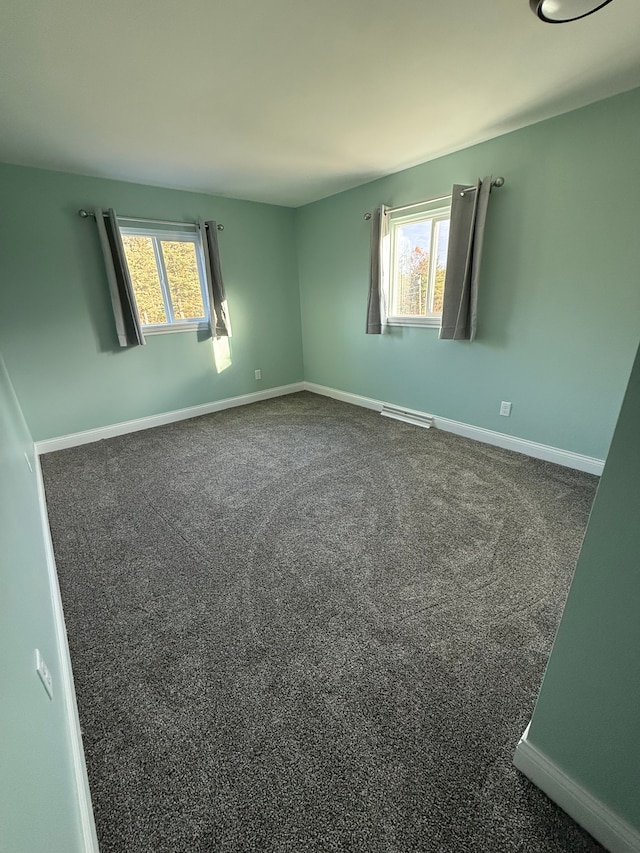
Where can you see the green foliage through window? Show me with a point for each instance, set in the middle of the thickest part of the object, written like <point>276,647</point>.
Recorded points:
<point>166,276</point>
<point>417,263</point>
<point>144,277</point>
<point>182,276</point>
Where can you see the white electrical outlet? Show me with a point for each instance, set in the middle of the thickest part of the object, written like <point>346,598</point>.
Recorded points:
<point>505,409</point>
<point>258,374</point>
<point>45,676</point>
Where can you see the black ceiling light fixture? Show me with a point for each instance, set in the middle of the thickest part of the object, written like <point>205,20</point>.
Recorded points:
<point>563,11</point>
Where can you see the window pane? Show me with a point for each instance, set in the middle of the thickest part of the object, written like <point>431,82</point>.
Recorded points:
<point>183,279</point>
<point>442,243</point>
<point>144,277</point>
<point>413,240</point>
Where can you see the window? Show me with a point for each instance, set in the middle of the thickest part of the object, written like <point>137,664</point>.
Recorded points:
<point>417,260</point>
<point>167,274</point>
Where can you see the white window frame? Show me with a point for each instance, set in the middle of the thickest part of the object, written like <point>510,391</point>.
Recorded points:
<point>172,324</point>
<point>436,213</point>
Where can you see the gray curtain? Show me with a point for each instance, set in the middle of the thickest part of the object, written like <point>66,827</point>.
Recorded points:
<point>376,310</point>
<point>466,234</point>
<point>218,311</point>
<point>125,311</point>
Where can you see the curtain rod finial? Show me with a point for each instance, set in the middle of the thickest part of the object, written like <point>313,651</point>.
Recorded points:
<point>84,213</point>
<point>367,216</point>
<point>498,182</point>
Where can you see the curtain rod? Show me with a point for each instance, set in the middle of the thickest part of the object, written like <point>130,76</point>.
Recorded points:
<point>496,182</point>
<point>86,213</point>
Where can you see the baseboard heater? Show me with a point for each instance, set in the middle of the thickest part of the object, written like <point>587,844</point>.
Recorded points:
<point>408,416</point>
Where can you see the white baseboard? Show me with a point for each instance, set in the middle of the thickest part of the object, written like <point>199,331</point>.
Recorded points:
<point>344,396</point>
<point>592,814</point>
<point>67,689</point>
<point>522,445</point>
<point>509,442</point>
<point>87,436</point>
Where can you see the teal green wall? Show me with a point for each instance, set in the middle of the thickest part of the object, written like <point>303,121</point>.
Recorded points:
<point>586,718</point>
<point>559,325</point>
<point>56,324</point>
<point>559,305</point>
<point>38,810</point>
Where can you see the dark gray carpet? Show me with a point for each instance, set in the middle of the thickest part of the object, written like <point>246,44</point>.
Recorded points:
<point>298,626</point>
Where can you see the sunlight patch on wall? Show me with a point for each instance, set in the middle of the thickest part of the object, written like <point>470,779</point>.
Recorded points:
<point>222,353</point>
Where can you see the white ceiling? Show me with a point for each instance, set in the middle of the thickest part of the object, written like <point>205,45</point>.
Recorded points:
<point>288,101</point>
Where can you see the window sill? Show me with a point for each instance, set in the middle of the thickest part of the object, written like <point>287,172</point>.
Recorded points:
<point>174,327</point>
<point>429,322</point>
